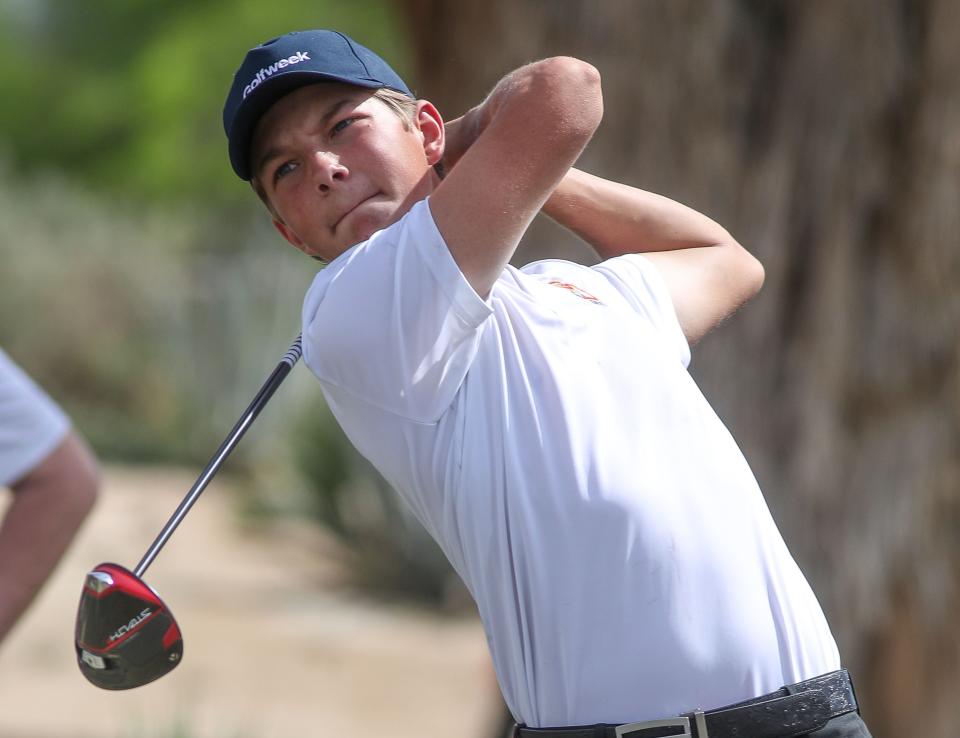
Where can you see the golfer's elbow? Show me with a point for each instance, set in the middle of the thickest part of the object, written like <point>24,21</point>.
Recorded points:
<point>571,91</point>
<point>752,273</point>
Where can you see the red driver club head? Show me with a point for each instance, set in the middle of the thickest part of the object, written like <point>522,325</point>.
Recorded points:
<point>126,636</point>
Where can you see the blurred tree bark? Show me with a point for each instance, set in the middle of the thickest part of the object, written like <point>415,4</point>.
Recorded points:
<point>826,136</point>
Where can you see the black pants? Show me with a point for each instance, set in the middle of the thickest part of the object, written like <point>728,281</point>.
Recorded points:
<point>845,726</point>
<point>849,725</point>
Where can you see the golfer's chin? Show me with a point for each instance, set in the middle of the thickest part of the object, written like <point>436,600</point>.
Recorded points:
<point>356,227</point>
<point>372,216</point>
<point>344,241</point>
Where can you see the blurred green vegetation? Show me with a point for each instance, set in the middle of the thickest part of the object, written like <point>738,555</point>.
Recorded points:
<point>141,278</point>
<point>142,284</point>
<point>152,339</point>
<point>126,95</point>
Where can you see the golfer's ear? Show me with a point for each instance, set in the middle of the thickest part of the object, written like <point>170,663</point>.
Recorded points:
<point>430,125</point>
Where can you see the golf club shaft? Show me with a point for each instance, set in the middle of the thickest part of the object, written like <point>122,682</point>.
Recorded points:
<point>266,391</point>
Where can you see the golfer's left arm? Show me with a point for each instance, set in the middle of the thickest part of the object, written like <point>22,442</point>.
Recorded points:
<point>709,275</point>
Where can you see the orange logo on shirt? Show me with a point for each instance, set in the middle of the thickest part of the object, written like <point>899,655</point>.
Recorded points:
<point>579,292</point>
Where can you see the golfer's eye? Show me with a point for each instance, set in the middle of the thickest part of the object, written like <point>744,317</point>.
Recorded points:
<point>341,125</point>
<point>283,170</point>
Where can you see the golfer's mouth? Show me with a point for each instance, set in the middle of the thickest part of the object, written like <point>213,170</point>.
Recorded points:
<point>351,209</point>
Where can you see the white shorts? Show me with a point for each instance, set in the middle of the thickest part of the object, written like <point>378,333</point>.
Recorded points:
<point>31,424</point>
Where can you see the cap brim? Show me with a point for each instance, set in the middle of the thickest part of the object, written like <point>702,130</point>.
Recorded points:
<point>262,99</point>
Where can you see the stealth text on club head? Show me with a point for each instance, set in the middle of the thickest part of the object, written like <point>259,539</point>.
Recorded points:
<point>126,636</point>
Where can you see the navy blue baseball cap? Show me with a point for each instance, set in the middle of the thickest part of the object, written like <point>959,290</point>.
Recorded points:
<point>281,65</point>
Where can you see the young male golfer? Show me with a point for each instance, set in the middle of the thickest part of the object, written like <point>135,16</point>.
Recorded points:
<point>540,422</point>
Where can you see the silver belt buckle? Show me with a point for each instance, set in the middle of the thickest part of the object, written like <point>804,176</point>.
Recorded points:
<point>683,723</point>
<point>624,731</point>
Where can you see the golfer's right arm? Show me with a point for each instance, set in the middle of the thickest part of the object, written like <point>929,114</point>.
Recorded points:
<point>522,140</point>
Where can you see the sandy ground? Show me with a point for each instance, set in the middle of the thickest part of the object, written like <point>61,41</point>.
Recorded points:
<point>269,651</point>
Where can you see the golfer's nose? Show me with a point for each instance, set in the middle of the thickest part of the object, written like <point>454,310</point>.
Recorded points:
<point>328,170</point>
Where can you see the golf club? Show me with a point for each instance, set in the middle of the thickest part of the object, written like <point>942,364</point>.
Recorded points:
<point>126,636</point>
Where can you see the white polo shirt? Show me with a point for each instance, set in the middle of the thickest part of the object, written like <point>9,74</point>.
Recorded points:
<point>31,424</point>
<point>623,560</point>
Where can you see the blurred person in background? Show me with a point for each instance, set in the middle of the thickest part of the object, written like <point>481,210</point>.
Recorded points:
<point>541,422</point>
<point>53,478</point>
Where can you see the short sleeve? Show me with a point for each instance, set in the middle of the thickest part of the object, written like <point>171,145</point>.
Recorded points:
<point>641,285</point>
<point>393,322</point>
<point>31,424</point>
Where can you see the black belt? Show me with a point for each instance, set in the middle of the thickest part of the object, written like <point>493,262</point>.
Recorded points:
<point>791,711</point>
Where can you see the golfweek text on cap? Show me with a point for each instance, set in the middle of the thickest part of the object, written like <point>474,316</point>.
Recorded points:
<point>268,71</point>
<point>279,66</point>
